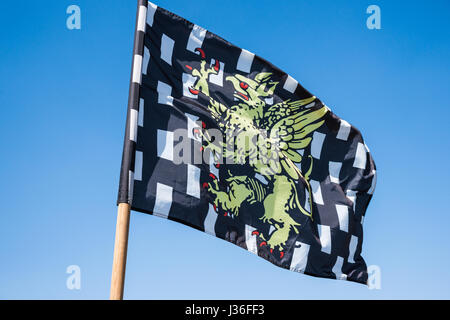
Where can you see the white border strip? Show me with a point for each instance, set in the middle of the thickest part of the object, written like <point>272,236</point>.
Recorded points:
<point>133,124</point>
<point>141,19</point>
<point>137,69</point>
<point>136,77</point>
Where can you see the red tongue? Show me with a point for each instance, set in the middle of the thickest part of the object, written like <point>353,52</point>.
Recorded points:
<point>243,96</point>
<point>193,91</point>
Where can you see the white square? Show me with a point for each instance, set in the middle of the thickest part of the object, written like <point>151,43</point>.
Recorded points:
<point>269,101</point>
<point>316,144</point>
<point>141,113</point>
<point>151,9</point>
<point>138,161</point>
<point>300,257</point>
<point>196,39</point>
<point>163,201</point>
<point>250,239</point>
<point>325,238</point>
<point>360,157</point>
<point>310,105</point>
<point>188,81</point>
<point>351,195</point>
<point>352,251</point>
<point>307,205</point>
<point>193,181</point>
<point>210,221</point>
<point>261,178</point>
<point>290,84</point>
<point>130,184</point>
<point>374,182</point>
<point>337,269</point>
<point>316,192</point>
<point>335,170</point>
<point>146,60</point>
<point>343,216</point>
<point>217,79</point>
<point>167,48</point>
<point>191,125</point>
<point>245,61</point>
<point>344,130</point>
<point>164,144</point>
<point>164,93</point>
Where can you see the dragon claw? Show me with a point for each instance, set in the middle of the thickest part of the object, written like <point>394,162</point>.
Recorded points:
<point>196,133</point>
<point>255,233</point>
<point>202,53</point>
<point>205,185</point>
<point>217,65</point>
<point>213,176</point>
<point>215,208</point>
<point>263,244</point>
<point>281,254</point>
<point>271,250</point>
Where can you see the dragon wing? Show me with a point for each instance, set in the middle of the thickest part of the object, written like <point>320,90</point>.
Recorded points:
<point>290,125</point>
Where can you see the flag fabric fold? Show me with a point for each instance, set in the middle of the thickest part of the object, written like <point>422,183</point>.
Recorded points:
<point>219,139</point>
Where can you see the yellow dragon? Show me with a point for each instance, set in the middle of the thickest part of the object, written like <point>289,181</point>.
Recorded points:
<point>268,140</point>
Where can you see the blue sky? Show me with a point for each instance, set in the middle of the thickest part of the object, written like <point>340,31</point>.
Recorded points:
<point>63,96</point>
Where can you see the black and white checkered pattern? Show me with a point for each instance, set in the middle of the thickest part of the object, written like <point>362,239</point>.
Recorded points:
<point>343,177</point>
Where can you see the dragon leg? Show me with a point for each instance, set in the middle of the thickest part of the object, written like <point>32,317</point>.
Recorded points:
<point>230,201</point>
<point>277,207</point>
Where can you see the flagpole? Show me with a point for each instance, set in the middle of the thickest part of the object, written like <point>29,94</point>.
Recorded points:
<point>120,251</point>
<point>128,158</point>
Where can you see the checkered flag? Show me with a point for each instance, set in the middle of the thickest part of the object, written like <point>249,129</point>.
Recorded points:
<point>202,113</point>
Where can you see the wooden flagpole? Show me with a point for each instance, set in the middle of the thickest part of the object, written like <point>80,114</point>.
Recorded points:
<point>126,177</point>
<point>120,251</point>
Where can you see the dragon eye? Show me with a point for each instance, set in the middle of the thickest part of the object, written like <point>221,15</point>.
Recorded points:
<point>243,85</point>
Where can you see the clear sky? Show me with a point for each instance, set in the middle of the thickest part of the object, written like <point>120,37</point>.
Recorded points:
<point>63,96</point>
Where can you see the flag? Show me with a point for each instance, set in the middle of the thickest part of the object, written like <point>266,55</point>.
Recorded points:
<point>221,140</point>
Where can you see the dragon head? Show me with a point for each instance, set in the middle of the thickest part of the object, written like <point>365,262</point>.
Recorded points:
<point>252,93</point>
